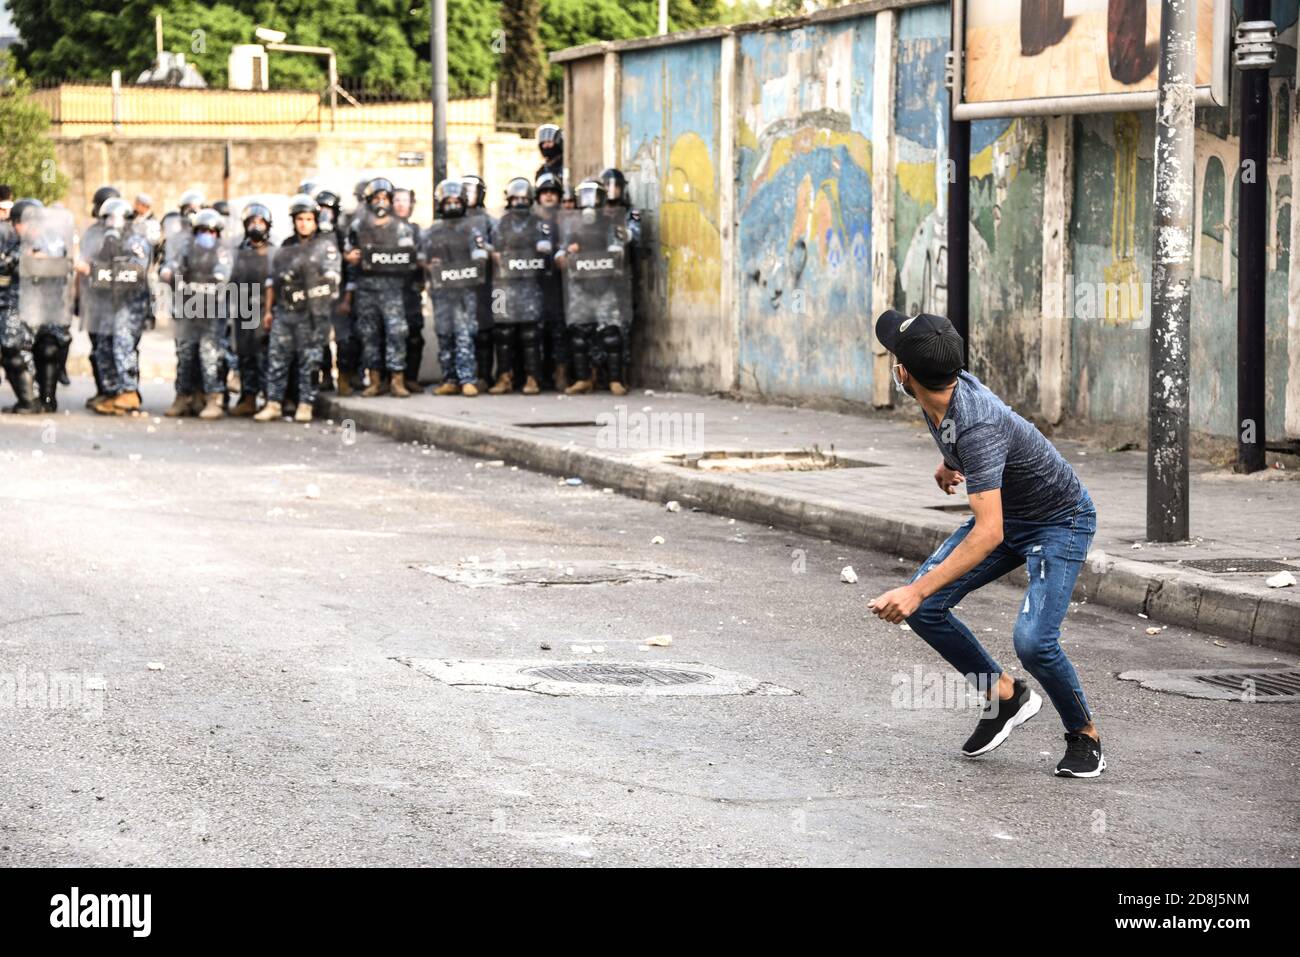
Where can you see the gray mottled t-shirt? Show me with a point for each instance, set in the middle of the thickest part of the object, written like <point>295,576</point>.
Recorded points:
<point>984,439</point>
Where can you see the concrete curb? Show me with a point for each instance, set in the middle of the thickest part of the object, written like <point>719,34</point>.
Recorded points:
<point>1164,593</point>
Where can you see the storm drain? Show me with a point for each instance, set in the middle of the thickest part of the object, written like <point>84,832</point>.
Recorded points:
<point>1224,566</point>
<point>1238,684</point>
<point>798,460</point>
<point>602,679</point>
<point>627,676</point>
<point>578,424</point>
<point>546,574</point>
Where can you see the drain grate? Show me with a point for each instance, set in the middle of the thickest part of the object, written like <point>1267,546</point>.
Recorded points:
<point>1267,684</point>
<point>1224,566</point>
<point>612,673</point>
<point>1237,684</point>
<point>577,424</point>
<point>593,679</point>
<point>548,574</point>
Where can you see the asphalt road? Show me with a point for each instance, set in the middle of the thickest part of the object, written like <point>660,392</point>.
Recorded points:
<point>278,724</point>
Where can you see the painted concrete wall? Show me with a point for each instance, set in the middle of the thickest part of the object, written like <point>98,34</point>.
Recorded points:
<point>1110,236</point>
<point>804,203</point>
<point>669,127</point>
<point>783,306</point>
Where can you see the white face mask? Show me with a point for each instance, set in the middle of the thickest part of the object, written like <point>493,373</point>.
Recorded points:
<point>898,381</point>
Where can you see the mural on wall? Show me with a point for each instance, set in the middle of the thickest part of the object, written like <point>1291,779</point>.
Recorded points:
<point>1110,235</point>
<point>1007,166</point>
<point>804,209</point>
<point>668,149</point>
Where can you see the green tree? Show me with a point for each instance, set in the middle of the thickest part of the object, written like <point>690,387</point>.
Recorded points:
<point>26,151</point>
<point>523,64</point>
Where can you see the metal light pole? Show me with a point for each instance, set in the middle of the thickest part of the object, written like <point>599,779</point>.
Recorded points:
<point>958,277</point>
<point>1253,54</point>
<point>1171,276</point>
<point>438,64</point>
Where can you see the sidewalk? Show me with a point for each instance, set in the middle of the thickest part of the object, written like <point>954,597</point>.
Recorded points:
<point>887,498</point>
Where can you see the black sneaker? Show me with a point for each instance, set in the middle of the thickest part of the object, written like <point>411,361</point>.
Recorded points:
<point>1000,717</point>
<point>1083,757</point>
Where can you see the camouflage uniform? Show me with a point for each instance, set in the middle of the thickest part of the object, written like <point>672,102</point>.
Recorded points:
<point>117,304</point>
<point>381,321</point>
<point>306,279</point>
<point>455,247</point>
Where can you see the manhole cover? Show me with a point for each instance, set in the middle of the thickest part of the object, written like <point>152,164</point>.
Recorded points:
<point>797,460</point>
<point>628,676</point>
<point>545,574</point>
<point>601,679</point>
<point>1236,684</point>
<point>1223,566</point>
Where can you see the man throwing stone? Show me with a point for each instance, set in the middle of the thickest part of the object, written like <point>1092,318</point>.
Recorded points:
<point>1029,509</point>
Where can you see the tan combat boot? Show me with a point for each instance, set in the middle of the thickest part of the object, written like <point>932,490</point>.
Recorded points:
<point>618,388</point>
<point>505,384</point>
<point>561,377</point>
<point>345,384</point>
<point>376,386</point>
<point>531,387</point>
<point>270,412</point>
<point>180,406</point>
<point>246,406</point>
<point>214,408</point>
<point>581,387</point>
<point>198,401</point>
<point>448,388</point>
<point>398,386</point>
<point>105,406</point>
<point>127,402</point>
<point>302,413</point>
<point>469,389</point>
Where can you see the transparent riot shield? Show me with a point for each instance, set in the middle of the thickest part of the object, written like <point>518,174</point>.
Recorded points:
<point>309,277</point>
<point>245,296</point>
<point>522,256</point>
<point>455,254</point>
<point>46,238</point>
<point>592,254</point>
<point>388,245</point>
<point>118,264</point>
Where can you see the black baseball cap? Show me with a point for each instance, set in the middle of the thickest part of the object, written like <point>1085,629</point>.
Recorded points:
<point>928,346</point>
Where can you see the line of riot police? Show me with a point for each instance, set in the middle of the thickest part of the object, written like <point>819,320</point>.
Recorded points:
<point>541,298</point>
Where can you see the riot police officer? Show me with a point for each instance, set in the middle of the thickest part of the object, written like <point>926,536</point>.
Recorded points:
<point>35,339</point>
<point>251,274</point>
<point>305,281</point>
<point>412,298</point>
<point>550,143</point>
<point>15,351</point>
<point>91,239</point>
<point>204,268</point>
<point>592,254</point>
<point>383,248</point>
<point>455,252</point>
<point>555,336</point>
<point>329,221</point>
<point>476,213</point>
<point>617,196</point>
<point>177,232</point>
<point>115,263</point>
<point>521,258</point>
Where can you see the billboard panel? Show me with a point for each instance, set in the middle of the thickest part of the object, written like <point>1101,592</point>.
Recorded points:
<point>1026,57</point>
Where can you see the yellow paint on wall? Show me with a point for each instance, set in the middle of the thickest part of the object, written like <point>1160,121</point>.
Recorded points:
<point>690,242</point>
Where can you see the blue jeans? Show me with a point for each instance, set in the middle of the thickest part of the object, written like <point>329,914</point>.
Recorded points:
<point>1054,554</point>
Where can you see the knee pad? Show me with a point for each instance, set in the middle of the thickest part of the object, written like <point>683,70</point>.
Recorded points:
<point>46,349</point>
<point>612,338</point>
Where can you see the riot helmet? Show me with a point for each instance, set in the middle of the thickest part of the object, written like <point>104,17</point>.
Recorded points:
<point>519,193</point>
<point>589,195</point>
<point>257,211</point>
<point>550,140</point>
<point>102,195</point>
<point>615,186</point>
<point>449,198</point>
<point>475,191</point>
<point>115,213</point>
